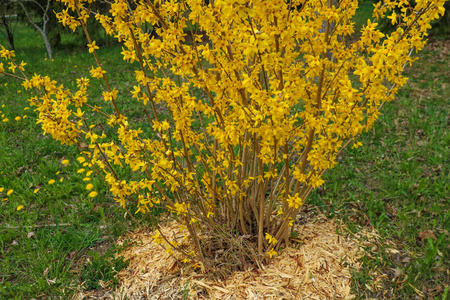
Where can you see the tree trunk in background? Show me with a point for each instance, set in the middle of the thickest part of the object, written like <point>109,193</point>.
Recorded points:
<point>9,33</point>
<point>53,27</point>
<point>45,22</point>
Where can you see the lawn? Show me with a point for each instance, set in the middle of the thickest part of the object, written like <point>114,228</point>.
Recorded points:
<point>397,184</point>
<point>49,246</point>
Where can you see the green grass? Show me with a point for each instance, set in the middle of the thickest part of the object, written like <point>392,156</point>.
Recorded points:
<point>397,183</point>
<point>44,246</point>
<point>363,13</point>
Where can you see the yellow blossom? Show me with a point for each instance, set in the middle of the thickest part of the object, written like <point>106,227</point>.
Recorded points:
<point>97,72</point>
<point>92,47</point>
<point>271,239</point>
<point>272,253</point>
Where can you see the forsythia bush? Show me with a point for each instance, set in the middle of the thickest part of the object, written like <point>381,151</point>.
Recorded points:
<point>249,102</point>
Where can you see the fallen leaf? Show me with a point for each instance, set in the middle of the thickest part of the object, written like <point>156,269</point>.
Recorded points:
<point>397,273</point>
<point>406,260</point>
<point>51,281</point>
<point>14,243</point>
<point>426,234</point>
<point>30,234</point>
<point>393,251</point>
<point>45,272</point>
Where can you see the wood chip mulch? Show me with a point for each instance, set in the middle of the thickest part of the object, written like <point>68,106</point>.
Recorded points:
<point>317,266</point>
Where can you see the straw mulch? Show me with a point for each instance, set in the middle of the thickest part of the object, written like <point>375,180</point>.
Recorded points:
<point>317,266</point>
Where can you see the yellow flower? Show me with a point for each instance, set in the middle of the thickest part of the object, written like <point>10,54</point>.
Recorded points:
<point>89,173</point>
<point>93,194</point>
<point>9,192</point>
<point>157,238</point>
<point>35,191</point>
<point>18,118</point>
<point>294,201</point>
<point>22,65</point>
<point>271,239</point>
<point>97,72</point>
<point>92,47</point>
<point>51,181</point>
<point>81,159</point>
<point>272,253</point>
<point>86,179</point>
<point>280,211</point>
<point>90,186</point>
<point>2,189</point>
<point>81,170</point>
<point>357,145</point>
<point>65,162</point>
<point>19,207</point>
<point>79,114</point>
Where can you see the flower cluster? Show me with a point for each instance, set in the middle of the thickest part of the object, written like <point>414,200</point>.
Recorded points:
<point>282,93</point>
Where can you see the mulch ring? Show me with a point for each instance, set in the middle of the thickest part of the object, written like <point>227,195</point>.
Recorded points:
<point>317,266</point>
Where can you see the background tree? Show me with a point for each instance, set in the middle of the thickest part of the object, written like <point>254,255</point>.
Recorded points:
<point>38,13</point>
<point>8,12</point>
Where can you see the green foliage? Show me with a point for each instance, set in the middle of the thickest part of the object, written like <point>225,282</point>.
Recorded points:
<point>48,259</point>
<point>102,268</point>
